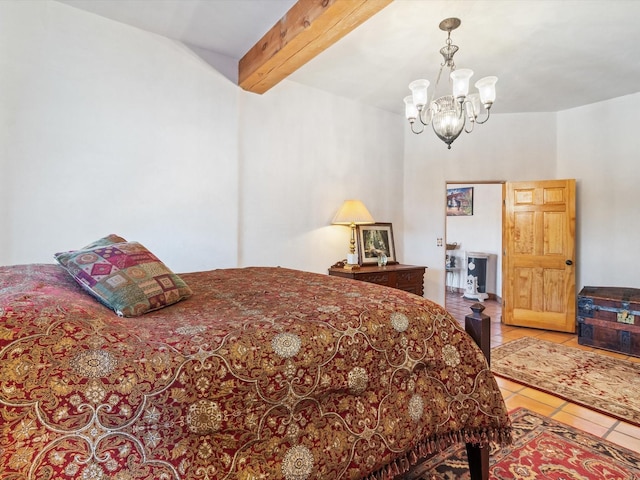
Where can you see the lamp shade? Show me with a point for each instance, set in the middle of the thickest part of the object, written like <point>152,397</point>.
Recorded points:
<point>487,88</point>
<point>410,110</point>
<point>419,92</point>
<point>461,82</point>
<point>352,212</point>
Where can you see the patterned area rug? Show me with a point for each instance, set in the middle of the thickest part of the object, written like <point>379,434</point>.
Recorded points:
<point>601,383</point>
<point>542,449</point>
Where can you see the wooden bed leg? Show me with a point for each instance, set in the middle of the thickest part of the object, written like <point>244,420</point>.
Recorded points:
<point>478,326</point>
<point>478,462</point>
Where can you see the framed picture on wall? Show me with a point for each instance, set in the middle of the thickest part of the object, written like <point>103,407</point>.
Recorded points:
<point>374,240</point>
<point>459,202</point>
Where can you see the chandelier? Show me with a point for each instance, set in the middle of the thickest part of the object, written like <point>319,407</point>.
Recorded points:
<point>450,114</point>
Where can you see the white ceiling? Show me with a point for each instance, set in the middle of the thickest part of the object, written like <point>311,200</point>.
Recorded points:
<point>549,55</point>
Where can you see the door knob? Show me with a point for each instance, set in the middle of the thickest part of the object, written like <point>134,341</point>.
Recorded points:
<point>568,262</point>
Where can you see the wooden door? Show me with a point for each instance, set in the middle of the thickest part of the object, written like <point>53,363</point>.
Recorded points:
<point>539,287</point>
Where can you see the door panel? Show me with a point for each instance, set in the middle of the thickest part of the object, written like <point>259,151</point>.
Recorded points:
<point>539,250</point>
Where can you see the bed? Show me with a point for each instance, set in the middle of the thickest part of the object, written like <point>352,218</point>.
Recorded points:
<point>256,373</point>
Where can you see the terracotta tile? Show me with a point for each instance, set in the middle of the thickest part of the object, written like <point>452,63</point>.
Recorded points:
<point>542,397</point>
<point>556,337</point>
<point>611,354</point>
<point>506,394</point>
<point>590,415</point>
<point>514,335</point>
<point>508,385</point>
<point>580,423</point>
<point>573,343</point>
<point>628,429</point>
<point>624,441</point>
<point>516,400</point>
<point>586,348</point>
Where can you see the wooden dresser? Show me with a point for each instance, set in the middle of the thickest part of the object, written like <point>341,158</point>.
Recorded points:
<point>409,278</point>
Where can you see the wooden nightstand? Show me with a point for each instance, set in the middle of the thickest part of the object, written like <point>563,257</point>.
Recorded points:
<point>409,278</point>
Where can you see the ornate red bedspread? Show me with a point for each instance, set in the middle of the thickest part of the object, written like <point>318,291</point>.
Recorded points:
<point>262,373</point>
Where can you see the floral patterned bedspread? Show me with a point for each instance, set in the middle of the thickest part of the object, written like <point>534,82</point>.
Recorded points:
<point>262,373</point>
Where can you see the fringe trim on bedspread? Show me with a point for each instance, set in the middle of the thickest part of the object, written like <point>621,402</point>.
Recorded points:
<point>501,436</point>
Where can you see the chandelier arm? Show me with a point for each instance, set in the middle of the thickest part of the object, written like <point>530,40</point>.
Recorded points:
<point>472,122</point>
<point>471,115</point>
<point>486,118</point>
<point>425,113</point>
<point>461,107</point>
<point>418,131</point>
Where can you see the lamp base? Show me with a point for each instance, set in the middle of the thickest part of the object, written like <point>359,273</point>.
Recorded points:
<point>352,262</point>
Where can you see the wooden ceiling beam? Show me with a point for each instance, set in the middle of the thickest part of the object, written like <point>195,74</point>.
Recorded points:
<point>308,28</point>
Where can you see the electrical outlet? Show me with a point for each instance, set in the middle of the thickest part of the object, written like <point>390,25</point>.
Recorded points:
<point>439,242</point>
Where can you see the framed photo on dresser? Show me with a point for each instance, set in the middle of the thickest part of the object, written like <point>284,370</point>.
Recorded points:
<point>374,240</point>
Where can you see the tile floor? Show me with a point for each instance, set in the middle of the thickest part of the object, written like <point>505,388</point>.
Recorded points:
<point>517,395</point>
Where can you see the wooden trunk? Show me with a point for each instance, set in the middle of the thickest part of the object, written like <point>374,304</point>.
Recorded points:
<point>609,318</point>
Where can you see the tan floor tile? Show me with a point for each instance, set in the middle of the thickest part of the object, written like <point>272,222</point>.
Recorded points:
<point>590,415</point>
<point>624,440</point>
<point>506,394</point>
<point>514,335</point>
<point>508,384</point>
<point>628,429</point>
<point>516,400</point>
<point>580,423</point>
<point>556,337</point>
<point>612,354</point>
<point>542,397</point>
<point>573,343</point>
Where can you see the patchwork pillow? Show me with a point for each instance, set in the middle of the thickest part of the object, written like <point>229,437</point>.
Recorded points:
<point>125,276</point>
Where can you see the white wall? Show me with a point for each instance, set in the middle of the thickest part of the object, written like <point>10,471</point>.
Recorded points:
<point>599,145</point>
<point>303,152</point>
<point>110,129</point>
<point>508,147</point>
<point>113,130</point>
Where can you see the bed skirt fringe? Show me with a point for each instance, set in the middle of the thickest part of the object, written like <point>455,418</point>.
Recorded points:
<point>501,436</point>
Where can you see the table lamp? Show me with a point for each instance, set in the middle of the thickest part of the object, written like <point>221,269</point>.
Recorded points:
<point>352,213</point>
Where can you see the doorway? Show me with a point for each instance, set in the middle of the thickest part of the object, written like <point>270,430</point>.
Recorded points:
<point>475,230</point>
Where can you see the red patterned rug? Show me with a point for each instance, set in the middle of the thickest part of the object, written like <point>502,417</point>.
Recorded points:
<point>596,381</point>
<point>542,449</point>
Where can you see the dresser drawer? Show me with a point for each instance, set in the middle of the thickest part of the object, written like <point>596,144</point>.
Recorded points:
<point>381,278</point>
<point>409,278</point>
